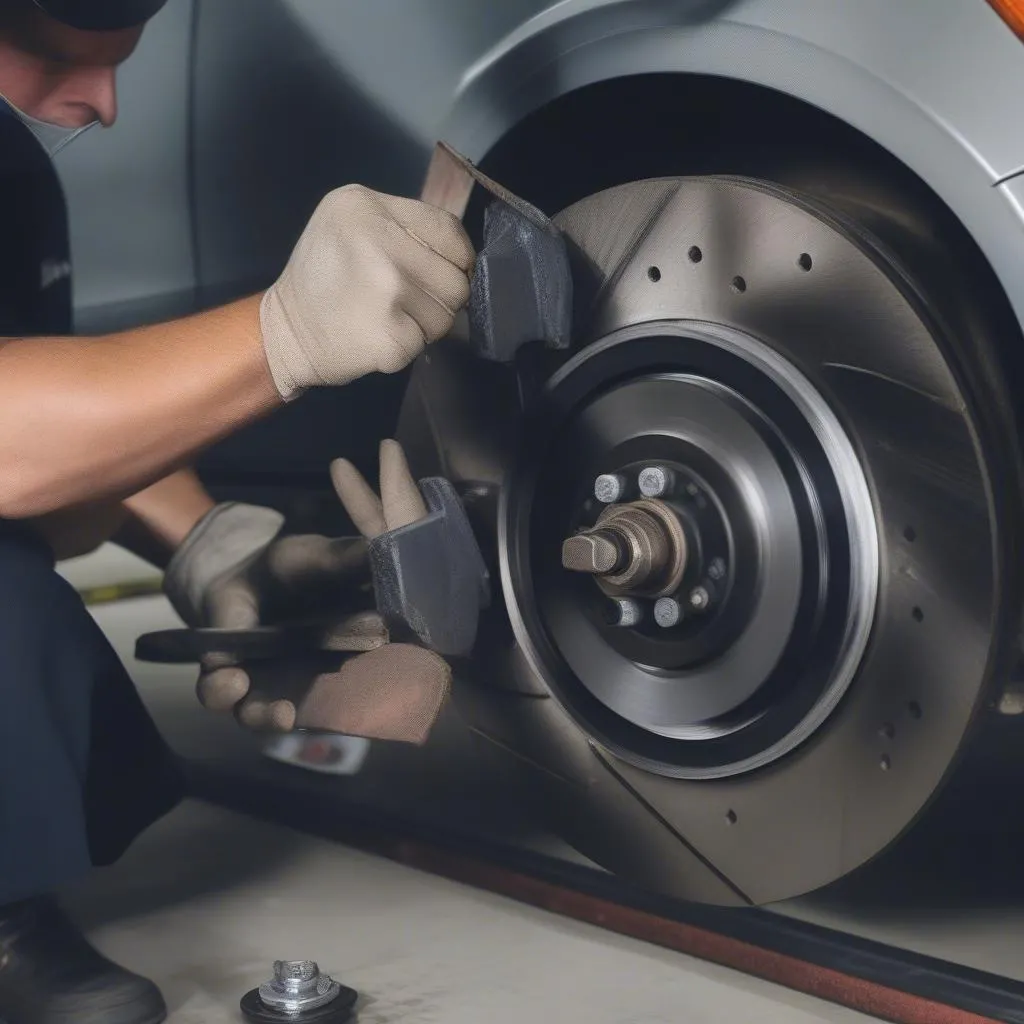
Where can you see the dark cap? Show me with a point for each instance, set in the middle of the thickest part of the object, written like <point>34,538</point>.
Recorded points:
<point>100,15</point>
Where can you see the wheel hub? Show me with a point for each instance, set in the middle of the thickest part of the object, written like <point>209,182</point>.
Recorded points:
<point>727,594</point>
<point>639,548</point>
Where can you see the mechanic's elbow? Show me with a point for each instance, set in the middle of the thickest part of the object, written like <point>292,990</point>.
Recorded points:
<point>14,505</point>
<point>24,495</point>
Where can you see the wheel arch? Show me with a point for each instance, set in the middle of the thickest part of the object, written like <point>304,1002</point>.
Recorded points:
<point>959,149</point>
<point>571,146</point>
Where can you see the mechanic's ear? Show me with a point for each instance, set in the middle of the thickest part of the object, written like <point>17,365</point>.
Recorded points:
<point>358,497</point>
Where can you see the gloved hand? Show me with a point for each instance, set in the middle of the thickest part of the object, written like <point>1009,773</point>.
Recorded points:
<point>391,691</point>
<point>234,571</point>
<point>373,279</point>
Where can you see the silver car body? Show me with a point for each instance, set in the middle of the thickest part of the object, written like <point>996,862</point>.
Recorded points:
<point>237,116</point>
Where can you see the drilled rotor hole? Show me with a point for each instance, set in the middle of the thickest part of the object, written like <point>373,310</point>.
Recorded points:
<point>695,254</point>
<point>731,817</point>
<point>887,731</point>
<point>738,284</point>
<point>914,709</point>
<point>910,533</point>
<point>918,615</point>
<point>885,764</point>
<point>804,261</point>
<point>654,274</point>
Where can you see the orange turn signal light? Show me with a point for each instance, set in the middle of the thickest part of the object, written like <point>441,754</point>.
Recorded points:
<point>1012,12</point>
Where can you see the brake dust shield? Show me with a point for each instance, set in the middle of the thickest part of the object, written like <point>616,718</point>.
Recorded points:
<point>827,465</point>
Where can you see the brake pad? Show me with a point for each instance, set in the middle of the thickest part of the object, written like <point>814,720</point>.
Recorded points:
<point>429,577</point>
<point>522,290</point>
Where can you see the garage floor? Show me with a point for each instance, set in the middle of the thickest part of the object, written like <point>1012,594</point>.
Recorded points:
<point>207,900</point>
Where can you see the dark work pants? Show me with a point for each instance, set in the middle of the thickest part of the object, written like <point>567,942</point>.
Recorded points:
<point>83,769</point>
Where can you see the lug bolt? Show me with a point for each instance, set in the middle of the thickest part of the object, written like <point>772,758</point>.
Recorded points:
<point>716,570</point>
<point>699,599</point>
<point>627,613</point>
<point>667,612</point>
<point>609,488</point>
<point>654,481</point>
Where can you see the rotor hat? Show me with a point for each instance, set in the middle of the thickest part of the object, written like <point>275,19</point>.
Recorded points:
<point>100,15</point>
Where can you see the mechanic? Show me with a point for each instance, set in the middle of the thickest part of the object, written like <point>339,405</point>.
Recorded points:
<point>96,435</point>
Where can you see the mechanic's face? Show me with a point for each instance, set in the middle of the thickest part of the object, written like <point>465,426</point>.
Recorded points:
<point>62,75</point>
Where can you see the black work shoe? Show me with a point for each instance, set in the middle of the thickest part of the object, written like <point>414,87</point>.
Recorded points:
<point>49,974</point>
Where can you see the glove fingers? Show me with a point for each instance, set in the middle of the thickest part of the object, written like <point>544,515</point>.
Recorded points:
<point>223,683</point>
<point>401,499</point>
<point>235,605</point>
<point>436,229</point>
<point>276,687</point>
<point>220,689</point>
<point>360,501</point>
<point>344,557</point>
<point>263,715</point>
<point>217,659</point>
<point>393,693</point>
<point>362,632</point>
<point>312,572</point>
<point>436,292</point>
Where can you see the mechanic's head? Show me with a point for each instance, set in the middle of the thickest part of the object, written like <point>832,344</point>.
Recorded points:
<point>59,58</point>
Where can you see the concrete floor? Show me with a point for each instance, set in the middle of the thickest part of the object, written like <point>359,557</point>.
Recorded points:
<point>207,900</point>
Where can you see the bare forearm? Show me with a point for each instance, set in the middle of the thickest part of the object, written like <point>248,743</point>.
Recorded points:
<point>170,508</point>
<point>160,517</point>
<point>82,419</point>
<point>150,524</point>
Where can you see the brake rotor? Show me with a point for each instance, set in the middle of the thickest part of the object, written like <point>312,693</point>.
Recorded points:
<point>788,684</point>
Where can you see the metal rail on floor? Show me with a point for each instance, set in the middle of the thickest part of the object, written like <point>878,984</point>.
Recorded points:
<point>873,978</point>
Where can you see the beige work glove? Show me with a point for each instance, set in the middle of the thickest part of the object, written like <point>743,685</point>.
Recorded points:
<point>373,279</point>
<point>363,685</point>
<point>235,571</point>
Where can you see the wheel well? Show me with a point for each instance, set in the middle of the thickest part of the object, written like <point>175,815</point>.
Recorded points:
<point>654,125</point>
<point>676,124</point>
